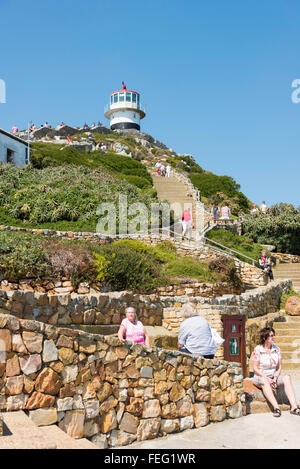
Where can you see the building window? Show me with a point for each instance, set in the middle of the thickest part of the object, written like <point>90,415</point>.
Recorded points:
<point>10,156</point>
<point>134,98</point>
<point>138,99</point>
<point>116,98</point>
<point>128,97</point>
<point>121,97</point>
<point>111,99</point>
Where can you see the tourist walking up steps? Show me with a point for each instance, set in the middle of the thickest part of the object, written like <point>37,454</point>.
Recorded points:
<point>132,329</point>
<point>265,264</point>
<point>195,336</point>
<point>187,223</point>
<point>267,365</point>
<point>168,171</point>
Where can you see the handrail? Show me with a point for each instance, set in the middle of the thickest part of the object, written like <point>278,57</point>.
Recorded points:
<point>231,250</point>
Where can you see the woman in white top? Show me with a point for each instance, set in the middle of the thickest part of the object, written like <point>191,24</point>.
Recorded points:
<point>267,372</point>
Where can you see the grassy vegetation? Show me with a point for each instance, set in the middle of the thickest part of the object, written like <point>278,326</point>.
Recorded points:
<point>242,244</point>
<point>49,155</point>
<point>64,197</point>
<point>122,265</point>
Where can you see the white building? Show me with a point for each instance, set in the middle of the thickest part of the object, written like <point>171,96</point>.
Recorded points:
<point>124,110</point>
<point>13,149</point>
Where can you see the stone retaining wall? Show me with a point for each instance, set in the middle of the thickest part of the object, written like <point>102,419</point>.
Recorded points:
<point>73,309</point>
<point>285,258</point>
<point>109,391</point>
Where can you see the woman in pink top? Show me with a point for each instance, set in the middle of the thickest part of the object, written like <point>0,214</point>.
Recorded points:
<point>132,329</point>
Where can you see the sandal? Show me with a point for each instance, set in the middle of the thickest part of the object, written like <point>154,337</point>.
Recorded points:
<point>295,411</point>
<point>277,413</point>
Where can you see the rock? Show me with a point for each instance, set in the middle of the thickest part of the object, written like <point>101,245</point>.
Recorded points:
<point>64,404</point>
<point>201,417</point>
<point>169,426</point>
<point>69,373</point>
<point>33,341</point>
<point>235,411</point>
<point>184,407</point>
<point>16,402</point>
<point>217,413</point>
<point>100,441</point>
<point>91,428</point>
<point>73,423</point>
<point>110,403</point>
<point>186,423</point>
<point>151,409</point>
<point>177,392</point>
<point>119,438</point>
<point>50,352</point>
<point>104,392</point>
<point>292,306</point>
<point>109,421</point>
<point>48,382</point>
<point>148,429</point>
<point>39,400</point>
<point>91,408</point>
<point>30,363</point>
<point>14,385</point>
<point>66,355</point>
<point>13,366</point>
<point>18,344</point>
<point>146,372</point>
<point>5,341</point>
<point>129,423</point>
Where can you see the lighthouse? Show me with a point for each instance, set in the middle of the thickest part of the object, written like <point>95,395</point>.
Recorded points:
<point>124,110</point>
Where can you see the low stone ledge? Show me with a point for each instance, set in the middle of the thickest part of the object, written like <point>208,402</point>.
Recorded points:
<point>256,402</point>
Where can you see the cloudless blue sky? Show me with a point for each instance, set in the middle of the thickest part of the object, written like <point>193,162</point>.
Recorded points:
<point>215,77</point>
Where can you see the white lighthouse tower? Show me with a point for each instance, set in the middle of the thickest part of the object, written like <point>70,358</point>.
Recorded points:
<point>124,110</point>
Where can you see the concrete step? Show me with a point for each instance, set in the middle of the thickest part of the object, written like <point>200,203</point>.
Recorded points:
<point>287,339</point>
<point>24,434</point>
<point>64,441</point>
<point>291,356</point>
<point>287,326</point>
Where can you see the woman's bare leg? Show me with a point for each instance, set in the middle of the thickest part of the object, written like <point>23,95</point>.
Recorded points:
<point>268,393</point>
<point>289,390</point>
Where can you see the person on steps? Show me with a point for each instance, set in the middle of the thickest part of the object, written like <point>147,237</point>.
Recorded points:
<point>267,372</point>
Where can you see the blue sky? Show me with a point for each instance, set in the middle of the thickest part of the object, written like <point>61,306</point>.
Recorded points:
<point>215,77</point>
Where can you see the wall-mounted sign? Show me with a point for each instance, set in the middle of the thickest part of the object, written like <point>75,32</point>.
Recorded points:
<point>234,347</point>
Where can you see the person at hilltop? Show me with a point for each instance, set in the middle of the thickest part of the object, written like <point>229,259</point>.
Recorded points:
<point>215,212</point>
<point>265,264</point>
<point>132,329</point>
<point>168,171</point>
<point>14,129</point>
<point>254,209</point>
<point>267,364</point>
<point>263,207</point>
<point>195,336</point>
<point>187,223</point>
<point>163,170</point>
<point>225,212</point>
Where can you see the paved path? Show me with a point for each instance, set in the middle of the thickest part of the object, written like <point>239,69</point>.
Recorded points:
<point>254,431</point>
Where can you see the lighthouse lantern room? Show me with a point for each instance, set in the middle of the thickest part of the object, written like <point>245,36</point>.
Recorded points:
<point>124,110</point>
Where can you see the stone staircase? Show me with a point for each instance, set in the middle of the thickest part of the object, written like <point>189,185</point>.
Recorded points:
<point>288,339</point>
<point>19,432</point>
<point>174,191</point>
<point>290,271</point>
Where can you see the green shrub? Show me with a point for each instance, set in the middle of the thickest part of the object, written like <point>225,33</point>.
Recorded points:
<point>189,267</point>
<point>210,184</point>
<point>124,268</point>
<point>241,244</point>
<point>280,227</point>
<point>22,256</point>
